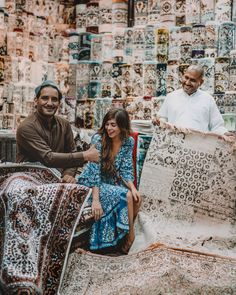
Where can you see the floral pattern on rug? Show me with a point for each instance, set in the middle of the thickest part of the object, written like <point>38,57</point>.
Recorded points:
<point>37,220</point>
<point>152,272</point>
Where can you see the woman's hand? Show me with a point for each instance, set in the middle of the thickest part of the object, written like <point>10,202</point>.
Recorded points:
<point>136,195</point>
<point>97,209</point>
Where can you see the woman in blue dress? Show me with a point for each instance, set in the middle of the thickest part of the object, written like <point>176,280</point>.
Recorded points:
<point>115,200</point>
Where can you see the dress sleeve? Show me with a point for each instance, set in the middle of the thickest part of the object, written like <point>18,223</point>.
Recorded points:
<point>127,167</point>
<point>91,175</point>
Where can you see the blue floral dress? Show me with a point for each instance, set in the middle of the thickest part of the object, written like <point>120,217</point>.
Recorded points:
<point>114,224</point>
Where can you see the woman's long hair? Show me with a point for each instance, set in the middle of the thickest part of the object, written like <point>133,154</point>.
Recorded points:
<point>123,122</point>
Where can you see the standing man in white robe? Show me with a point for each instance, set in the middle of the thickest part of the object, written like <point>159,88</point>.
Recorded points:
<point>190,107</point>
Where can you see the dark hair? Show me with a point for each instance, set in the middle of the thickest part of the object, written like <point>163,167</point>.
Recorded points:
<point>123,122</point>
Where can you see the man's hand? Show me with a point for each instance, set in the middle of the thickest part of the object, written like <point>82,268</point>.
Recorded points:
<point>68,179</point>
<point>92,154</point>
<point>230,136</point>
<point>164,124</point>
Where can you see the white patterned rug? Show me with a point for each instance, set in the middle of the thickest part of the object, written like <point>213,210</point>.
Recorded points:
<point>189,188</point>
<point>187,223</point>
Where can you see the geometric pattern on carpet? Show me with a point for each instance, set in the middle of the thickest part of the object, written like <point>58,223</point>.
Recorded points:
<point>188,185</point>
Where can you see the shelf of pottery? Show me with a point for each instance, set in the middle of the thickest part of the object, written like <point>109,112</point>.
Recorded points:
<point>137,66</point>
<point>33,47</point>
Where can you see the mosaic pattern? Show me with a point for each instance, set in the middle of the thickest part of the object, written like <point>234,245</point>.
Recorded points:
<point>180,12</point>
<point>101,107</point>
<point>118,42</point>
<point>174,50</point>
<point>207,10</point>
<point>139,44</point>
<point>172,78</point>
<point>193,11</point>
<point>85,114</point>
<point>92,15</point>
<point>141,12</point>
<point>119,13</point>
<point>142,148</point>
<point>222,10</point>
<point>150,78</point>
<point>94,87</point>
<point>127,86</point>
<point>162,43</point>
<point>188,184</point>
<point>106,79</point>
<point>128,47</point>
<point>167,12</point>
<point>138,79</point>
<point>153,12</point>
<point>96,47</point>
<point>150,50</point>
<point>84,51</point>
<point>226,38</point>
<point>82,79</point>
<point>161,79</point>
<point>80,17</point>
<point>105,15</point>
<point>226,102</point>
<point>232,71</point>
<point>221,75</point>
<point>73,48</point>
<point>139,108</point>
<point>199,36</point>
<point>117,79</point>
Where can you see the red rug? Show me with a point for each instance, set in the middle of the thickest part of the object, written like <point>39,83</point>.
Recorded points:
<point>37,221</point>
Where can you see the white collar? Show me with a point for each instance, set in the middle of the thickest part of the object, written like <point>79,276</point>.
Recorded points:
<point>191,95</point>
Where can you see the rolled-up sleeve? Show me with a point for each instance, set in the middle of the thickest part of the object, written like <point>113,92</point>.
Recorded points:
<point>32,147</point>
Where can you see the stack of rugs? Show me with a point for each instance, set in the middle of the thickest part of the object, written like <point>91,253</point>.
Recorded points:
<point>38,216</point>
<point>185,230</point>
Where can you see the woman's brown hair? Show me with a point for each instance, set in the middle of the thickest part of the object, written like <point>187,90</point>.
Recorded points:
<point>121,117</point>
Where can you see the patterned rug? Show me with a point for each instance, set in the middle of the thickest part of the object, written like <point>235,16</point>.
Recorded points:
<point>189,192</point>
<point>37,220</point>
<point>185,230</point>
<point>152,272</point>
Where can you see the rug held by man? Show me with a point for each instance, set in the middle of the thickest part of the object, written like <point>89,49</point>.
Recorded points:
<point>185,231</point>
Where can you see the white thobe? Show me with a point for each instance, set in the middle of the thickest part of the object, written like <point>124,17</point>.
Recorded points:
<point>196,111</point>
